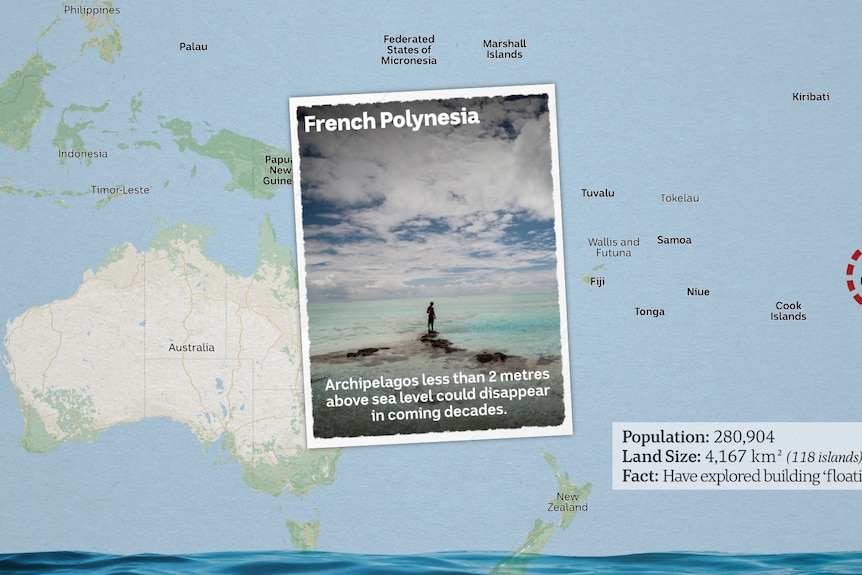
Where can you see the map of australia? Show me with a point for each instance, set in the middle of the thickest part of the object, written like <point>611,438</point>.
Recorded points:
<point>168,332</point>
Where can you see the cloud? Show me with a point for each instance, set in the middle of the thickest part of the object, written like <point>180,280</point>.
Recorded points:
<point>445,210</point>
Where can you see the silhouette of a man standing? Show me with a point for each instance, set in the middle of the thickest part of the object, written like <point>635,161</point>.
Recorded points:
<point>431,317</point>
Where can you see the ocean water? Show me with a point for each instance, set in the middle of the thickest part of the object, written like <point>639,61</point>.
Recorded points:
<point>468,563</point>
<point>525,328</point>
<point>523,325</point>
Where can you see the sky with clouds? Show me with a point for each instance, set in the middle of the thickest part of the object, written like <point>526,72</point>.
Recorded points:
<point>443,211</point>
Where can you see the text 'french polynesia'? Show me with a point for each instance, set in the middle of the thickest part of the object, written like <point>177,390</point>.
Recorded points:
<point>388,119</point>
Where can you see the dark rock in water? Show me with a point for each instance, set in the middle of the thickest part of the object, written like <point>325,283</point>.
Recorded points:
<point>485,357</point>
<point>447,346</point>
<point>441,343</point>
<point>363,352</point>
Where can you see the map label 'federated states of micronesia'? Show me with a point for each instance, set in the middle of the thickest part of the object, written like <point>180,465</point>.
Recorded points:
<point>178,336</point>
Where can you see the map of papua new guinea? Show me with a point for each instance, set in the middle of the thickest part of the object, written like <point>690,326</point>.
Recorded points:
<point>167,332</point>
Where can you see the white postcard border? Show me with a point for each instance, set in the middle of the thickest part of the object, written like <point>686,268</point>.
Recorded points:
<point>566,427</point>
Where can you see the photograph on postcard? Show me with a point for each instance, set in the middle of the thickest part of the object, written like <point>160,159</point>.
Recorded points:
<point>431,266</point>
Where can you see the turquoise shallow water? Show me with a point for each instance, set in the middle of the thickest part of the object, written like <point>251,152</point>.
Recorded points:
<point>436,563</point>
<point>525,328</point>
<point>524,325</point>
